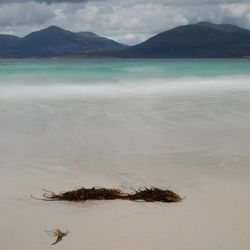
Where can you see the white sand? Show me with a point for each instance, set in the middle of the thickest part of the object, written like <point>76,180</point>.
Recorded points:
<point>197,146</point>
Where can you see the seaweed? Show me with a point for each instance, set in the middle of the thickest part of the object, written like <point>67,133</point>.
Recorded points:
<point>58,234</point>
<point>83,194</point>
<point>154,194</point>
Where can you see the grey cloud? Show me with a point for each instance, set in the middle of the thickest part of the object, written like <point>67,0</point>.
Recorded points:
<point>18,14</point>
<point>170,2</point>
<point>45,1</point>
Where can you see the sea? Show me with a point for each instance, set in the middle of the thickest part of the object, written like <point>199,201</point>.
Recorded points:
<point>113,113</point>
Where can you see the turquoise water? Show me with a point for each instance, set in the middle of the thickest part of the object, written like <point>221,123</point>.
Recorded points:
<point>66,71</point>
<point>78,78</point>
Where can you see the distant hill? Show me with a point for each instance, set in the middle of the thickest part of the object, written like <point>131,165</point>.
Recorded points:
<point>7,42</point>
<point>202,40</point>
<point>54,41</point>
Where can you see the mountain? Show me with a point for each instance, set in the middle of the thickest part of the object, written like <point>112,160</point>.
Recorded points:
<point>107,45</point>
<point>7,42</point>
<point>54,41</point>
<point>202,40</point>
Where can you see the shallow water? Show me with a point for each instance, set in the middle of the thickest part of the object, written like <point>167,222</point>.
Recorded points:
<point>98,113</point>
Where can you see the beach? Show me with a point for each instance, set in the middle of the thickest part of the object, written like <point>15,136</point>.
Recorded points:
<point>125,124</point>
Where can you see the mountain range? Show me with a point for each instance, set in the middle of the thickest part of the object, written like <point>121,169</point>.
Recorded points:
<point>202,40</point>
<point>55,41</point>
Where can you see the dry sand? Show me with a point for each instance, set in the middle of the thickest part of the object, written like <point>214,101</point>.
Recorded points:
<point>196,146</point>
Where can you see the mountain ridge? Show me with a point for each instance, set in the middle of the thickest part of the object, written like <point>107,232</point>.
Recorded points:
<point>55,41</point>
<point>201,40</point>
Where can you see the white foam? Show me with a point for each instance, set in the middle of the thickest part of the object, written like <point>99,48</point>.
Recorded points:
<point>194,85</point>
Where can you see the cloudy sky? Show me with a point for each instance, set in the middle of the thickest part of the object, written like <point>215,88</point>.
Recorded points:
<point>127,21</point>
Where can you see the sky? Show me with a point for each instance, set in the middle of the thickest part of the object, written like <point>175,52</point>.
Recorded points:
<point>126,21</point>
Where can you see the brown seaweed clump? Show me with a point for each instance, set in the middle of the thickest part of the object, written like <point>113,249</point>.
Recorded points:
<point>155,194</point>
<point>83,194</point>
